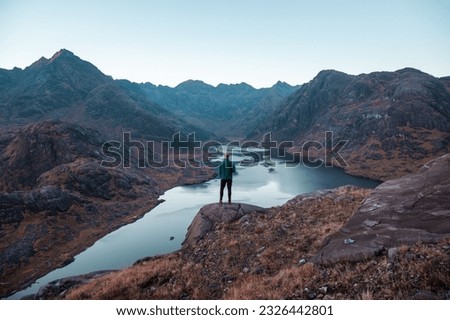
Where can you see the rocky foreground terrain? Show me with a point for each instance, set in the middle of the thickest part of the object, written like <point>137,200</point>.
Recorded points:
<point>346,243</point>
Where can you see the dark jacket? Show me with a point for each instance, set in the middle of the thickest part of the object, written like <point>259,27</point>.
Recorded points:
<point>226,170</point>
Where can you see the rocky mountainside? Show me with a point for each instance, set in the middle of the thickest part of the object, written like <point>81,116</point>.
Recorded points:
<point>56,197</point>
<point>66,88</point>
<point>346,243</point>
<point>394,121</point>
<point>230,109</point>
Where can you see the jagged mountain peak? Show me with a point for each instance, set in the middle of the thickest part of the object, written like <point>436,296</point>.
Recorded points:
<point>332,75</point>
<point>282,85</point>
<point>328,72</point>
<point>242,85</point>
<point>63,53</point>
<point>67,67</point>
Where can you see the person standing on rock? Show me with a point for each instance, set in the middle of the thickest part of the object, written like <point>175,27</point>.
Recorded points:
<point>226,170</point>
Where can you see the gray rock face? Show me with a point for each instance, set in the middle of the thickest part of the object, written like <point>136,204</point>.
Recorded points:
<point>48,199</point>
<point>413,208</point>
<point>212,214</point>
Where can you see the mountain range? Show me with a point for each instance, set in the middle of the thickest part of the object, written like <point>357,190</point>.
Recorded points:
<point>69,89</point>
<point>55,115</point>
<point>227,110</point>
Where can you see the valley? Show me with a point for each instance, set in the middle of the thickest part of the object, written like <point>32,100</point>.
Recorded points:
<point>56,197</point>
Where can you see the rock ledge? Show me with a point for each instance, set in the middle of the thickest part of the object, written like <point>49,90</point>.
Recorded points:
<point>212,214</point>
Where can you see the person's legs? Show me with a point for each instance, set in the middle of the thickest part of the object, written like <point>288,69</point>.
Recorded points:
<point>229,182</point>
<point>222,186</point>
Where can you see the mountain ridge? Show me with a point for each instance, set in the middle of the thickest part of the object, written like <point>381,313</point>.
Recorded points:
<point>231,109</point>
<point>68,88</point>
<point>65,87</point>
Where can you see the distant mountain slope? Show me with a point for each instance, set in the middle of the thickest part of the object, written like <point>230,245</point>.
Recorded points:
<point>228,110</point>
<point>69,89</point>
<point>394,121</point>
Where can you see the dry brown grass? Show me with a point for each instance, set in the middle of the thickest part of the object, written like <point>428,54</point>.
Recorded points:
<point>150,276</point>
<point>273,287</point>
<point>400,160</point>
<point>419,268</point>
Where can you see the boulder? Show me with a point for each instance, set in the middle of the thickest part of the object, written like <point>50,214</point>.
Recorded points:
<point>398,212</point>
<point>212,214</point>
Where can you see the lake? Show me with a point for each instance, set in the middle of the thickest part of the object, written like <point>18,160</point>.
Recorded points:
<point>162,230</point>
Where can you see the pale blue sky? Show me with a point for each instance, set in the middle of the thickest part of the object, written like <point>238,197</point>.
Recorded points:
<point>230,41</point>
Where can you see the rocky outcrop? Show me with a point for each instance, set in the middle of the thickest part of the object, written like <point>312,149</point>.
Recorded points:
<point>49,199</point>
<point>404,211</point>
<point>211,215</point>
<point>39,147</point>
